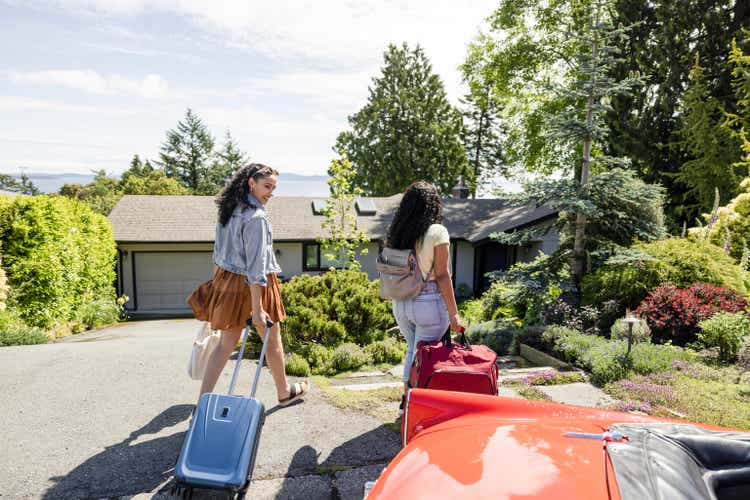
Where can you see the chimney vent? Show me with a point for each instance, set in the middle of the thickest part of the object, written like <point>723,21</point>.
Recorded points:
<point>460,191</point>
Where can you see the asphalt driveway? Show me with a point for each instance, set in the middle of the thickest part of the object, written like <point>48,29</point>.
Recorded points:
<point>104,414</point>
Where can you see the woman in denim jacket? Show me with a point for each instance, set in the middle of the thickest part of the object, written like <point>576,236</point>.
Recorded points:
<point>417,225</point>
<point>245,283</point>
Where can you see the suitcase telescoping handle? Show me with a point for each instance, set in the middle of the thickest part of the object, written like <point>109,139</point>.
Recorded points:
<point>269,324</point>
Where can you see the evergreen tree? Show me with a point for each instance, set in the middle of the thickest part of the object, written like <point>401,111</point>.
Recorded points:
<point>23,186</point>
<point>226,163</point>
<point>407,130</point>
<point>137,169</point>
<point>715,152</point>
<point>579,125</point>
<point>187,153</point>
<point>646,126</point>
<point>481,137</point>
<point>341,220</point>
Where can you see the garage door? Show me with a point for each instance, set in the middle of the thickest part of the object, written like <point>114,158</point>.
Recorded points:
<point>163,280</point>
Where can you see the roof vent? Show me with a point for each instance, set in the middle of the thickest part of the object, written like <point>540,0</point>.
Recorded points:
<point>460,191</point>
<point>366,207</point>
<point>319,206</point>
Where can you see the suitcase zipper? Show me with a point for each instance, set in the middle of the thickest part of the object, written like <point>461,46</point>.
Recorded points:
<point>466,372</point>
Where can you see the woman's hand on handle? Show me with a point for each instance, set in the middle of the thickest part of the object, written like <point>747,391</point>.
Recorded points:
<point>456,323</point>
<point>260,320</point>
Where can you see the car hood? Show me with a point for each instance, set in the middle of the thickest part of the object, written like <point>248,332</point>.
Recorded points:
<point>476,456</point>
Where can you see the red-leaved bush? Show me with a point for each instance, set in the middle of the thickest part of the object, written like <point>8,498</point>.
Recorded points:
<point>673,313</point>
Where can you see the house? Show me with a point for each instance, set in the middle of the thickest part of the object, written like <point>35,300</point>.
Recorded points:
<point>165,243</point>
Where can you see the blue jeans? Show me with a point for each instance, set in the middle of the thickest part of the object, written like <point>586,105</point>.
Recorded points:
<point>425,317</point>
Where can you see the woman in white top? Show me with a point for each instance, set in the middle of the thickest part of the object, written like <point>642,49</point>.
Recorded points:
<point>418,225</point>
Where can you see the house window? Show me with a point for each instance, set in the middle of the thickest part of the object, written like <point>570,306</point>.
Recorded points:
<point>316,257</point>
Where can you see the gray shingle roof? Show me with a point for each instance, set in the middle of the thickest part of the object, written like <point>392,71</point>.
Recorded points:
<point>152,219</point>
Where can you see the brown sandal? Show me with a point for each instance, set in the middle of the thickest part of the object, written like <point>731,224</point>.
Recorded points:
<point>296,391</point>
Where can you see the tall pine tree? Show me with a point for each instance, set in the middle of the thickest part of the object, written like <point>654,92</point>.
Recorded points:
<point>407,130</point>
<point>187,153</point>
<point>226,162</point>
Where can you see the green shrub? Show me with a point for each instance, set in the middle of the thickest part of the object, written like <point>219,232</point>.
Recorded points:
<point>58,254</point>
<point>99,313</point>
<point>297,366</point>
<point>348,357</point>
<point>471,311</point>
<point>13,331</point>
<point>725,331</point>
<point>678,261</point>
<point>388,350</point>
<point>743,356</point>
<point>4,288</point>
<point>495,302</point>
<point>607,360</point>
<point>318,356</point>
<point>498,335</point>
<point>641,331</point>
<point>333,308</point>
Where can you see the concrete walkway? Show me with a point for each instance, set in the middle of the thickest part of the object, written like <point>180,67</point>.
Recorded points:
<point>104,414</point>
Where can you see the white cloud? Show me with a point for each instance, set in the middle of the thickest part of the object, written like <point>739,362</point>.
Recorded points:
<point>348,34</point>
<point>25,104</point>
<point>151,86</point>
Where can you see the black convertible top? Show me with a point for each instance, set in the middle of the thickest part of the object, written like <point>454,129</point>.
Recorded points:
<point>680,461</point>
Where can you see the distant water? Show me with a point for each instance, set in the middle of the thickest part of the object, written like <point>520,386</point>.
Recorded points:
<point>289,184</point>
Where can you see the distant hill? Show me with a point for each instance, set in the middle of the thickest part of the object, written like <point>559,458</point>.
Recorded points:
<point>289,184</point>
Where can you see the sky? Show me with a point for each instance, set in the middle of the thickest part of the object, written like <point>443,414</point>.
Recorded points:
<point>86,84</point>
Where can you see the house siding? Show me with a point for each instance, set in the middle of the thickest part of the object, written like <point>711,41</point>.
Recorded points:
<point>464,265</point>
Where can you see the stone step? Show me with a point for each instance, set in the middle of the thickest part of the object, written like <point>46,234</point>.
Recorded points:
<point>367,387</point>
<point>521,373</point>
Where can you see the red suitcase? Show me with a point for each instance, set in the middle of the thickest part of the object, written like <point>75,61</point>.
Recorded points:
<point>454,366</point>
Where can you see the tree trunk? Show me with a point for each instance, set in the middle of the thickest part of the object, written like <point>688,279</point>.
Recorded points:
<point>579,242</point>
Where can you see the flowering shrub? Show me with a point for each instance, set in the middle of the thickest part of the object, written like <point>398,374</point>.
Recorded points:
<point>348,356</point>
<point>552,378</point>
<point>725,331</point>
<point>673,313</point>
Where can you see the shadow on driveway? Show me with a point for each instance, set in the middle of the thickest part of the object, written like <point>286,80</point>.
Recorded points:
<point>130,467</point>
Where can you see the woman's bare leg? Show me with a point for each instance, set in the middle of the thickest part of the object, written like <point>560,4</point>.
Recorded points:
<point>275,359</point>
<point>219,358</point>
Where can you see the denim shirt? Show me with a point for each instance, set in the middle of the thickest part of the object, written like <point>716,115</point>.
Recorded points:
<point>245,245</point>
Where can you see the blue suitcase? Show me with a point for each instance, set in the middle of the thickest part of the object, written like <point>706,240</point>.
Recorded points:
<point>221,443</point>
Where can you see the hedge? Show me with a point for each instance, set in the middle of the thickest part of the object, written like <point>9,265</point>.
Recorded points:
<point>59,256</point>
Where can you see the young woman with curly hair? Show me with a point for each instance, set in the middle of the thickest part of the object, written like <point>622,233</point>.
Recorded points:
<point>417,226</point>
<point>245,283</point>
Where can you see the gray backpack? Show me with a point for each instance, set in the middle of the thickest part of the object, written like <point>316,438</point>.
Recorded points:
<point>400,276</point>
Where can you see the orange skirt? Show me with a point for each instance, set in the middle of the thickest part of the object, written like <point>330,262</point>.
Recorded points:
<point>226,302</point>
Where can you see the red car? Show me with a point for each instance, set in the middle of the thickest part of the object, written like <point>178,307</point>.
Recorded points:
<point>469,446</point>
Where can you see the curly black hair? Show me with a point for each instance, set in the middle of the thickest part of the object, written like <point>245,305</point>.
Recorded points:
<point>236,189</point>
<point>420,208</point>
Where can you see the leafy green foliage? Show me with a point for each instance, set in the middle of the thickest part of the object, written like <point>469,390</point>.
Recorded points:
<point>733,217</point>
<point>336,307</point>
<point>4,288</point>
<point>497,335</point>
<point>58,254</point>
<point>340,219</point>
<point>495,301</point>
<point>348,356</point>
<point>22,186</point>
<point>13,331</point>
<point>629,277</point>
<point>99,312</point>
<point>714,150</point>
<point>388,350</point>
<point>297,366</point>
<point>620,209</point>
<point>726,331</point>
<point>408,129</point>
<point>606,360</point>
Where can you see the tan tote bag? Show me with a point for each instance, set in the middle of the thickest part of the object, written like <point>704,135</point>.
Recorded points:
<point>204,344</point>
